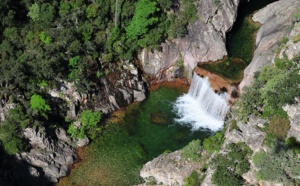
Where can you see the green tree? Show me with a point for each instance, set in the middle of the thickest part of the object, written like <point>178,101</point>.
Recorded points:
<point>38,103</point>
<point>230,167</point>
<point>34,12</point>
<point>89,121</point>
<point>278,164</point>
<point>143,18</point>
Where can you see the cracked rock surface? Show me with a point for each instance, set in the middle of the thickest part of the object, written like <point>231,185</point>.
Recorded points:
<point>205,41</point>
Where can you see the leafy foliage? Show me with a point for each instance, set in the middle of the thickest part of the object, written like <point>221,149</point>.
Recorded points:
<point>89,121</point>
<point>273,87</point>
<point>38,103</point>
<point>213,143</point>
<point>45,42</point>
<point>192,150</point>
<point>192,180</point>
<point>278,164</point>
<point>10,130</point>
<point>142,19</point>
<point>229,167</point>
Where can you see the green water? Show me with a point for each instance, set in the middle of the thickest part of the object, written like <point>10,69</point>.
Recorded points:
<point>152,125</point>
<point>148,130</point>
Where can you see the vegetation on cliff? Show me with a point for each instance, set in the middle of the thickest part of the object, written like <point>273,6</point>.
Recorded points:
<point>273,87</point>
<point>78,41</point>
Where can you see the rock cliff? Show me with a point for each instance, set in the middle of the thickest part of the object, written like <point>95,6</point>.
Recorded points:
<point>51,150</point>
<point>116,90</point>
<point>205,41</point>
<point>277,21</point>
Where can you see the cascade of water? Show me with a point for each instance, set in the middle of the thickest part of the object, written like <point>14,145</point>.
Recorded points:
<point>201,107</point>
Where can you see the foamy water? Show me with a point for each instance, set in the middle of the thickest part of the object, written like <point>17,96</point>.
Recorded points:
<point>201,107</point>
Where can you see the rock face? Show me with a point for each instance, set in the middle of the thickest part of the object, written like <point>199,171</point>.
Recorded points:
<point>119,89</point>
<point>168,169</point>
<point>216,82</point>
<point>251,133</point>
<point>50,154</point>
<point>51,151</point>
<point>276,20</point>
<point>293,112</point>
<point>205,41</point>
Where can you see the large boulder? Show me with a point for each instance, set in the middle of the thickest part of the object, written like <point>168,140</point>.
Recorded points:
<point>168,169</point>
<point>205,41</point>
<point>276,20</point>
<point>51,154</point>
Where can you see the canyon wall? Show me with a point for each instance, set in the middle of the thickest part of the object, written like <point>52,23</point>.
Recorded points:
<point>204,42</point>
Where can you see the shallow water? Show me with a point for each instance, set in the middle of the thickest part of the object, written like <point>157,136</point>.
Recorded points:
<point>148,130</point>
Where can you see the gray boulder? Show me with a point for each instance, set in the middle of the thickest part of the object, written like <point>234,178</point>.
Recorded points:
<point>52,156</point>
<point>168,169</point>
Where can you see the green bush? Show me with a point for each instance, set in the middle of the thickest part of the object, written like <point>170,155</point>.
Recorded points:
<point>233,125</point>
<point>192,150</point>
<point>278,164</point>
<point>89,121</point>
<point>213,143</point>
<point>230,167</point>
<point>270,139</point>
<point>38,103</point>
<point>272,87</point>
<point>10,139</point>
<point>293,144</point>
<point>192,180</point>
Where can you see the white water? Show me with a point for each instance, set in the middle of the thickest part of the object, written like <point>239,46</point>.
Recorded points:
<point>201,107</point>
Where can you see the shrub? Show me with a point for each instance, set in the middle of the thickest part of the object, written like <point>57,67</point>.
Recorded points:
<point>293,144</point>
<point>270,139</point>
<point>213,143</point>
<point>192,150</point>
<point>277,164</point>
<point>279,127</point>
<point>192,180</point>
<point>89,121</point>
<point>233,125</point>
<point>229,167</point>
<point>272,87</point>
<point>10,138</point>
<point>38,103</point>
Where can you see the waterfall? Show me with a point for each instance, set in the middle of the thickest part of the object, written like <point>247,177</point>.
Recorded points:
<point>201,107</point>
